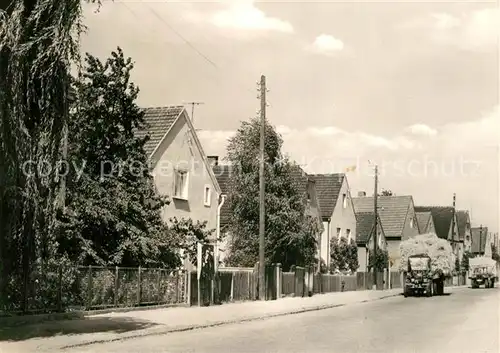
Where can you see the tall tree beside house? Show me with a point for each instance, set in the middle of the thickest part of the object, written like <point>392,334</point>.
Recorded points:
<point>386,193</point>
<point>343,255</point>
<point>494,253</point>
<point>464,265</point>
<point>38,43</point>
<point>113,211</point>
<point>290,235</point>
<point>381,262</point>
<point>457,265</point>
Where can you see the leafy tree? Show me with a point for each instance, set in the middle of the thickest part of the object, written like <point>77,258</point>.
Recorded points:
<point>386,193</point>
<point>494,253</point>
<point>343,255</point>
<point>457,265</point>
<point>113,211</point>
<point>465,261</point>
<point>381,262</point>
<point>187,234</point>
<point>290,235</point>
<point>38,43</point>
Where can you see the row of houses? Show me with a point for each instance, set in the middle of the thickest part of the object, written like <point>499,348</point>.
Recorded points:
<point>198,185</point>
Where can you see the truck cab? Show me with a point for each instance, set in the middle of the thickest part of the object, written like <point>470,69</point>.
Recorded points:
<point>482,272</point>
<point>419,277</point>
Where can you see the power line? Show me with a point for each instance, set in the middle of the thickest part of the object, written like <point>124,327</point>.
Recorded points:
<point>182,37</point>
<point>192,46</point>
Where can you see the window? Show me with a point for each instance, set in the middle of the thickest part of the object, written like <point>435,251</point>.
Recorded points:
<point>348,235</point>
<point>207,196</point>
<point>181,184</point>
<point>411,223</point>
<point>308,197</point>
<point>344,200</point>
<point>339,234</point>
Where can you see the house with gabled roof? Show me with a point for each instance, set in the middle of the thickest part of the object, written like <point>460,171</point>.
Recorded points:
<point>464,229</point>
<point>365,225</point>
<point>304,183</point>
<point>337,211</point>
<point>397,216</point>
<point>179,166</point>
<point>425,222</point>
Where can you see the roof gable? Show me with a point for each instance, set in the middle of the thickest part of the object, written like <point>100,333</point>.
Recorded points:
<point>159,122</point>
<point>364,226</point>
<point>462,221</point>
<point>392,211</point>
<point>328,188</point>
<point>423,221</point>
<point>365,222</point>
<point>442,217</point>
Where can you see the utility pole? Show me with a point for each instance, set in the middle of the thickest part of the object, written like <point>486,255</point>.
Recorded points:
<point>375,229</point>
<point>192,109</point>
<point>480,237</point>
<point>262,224</point>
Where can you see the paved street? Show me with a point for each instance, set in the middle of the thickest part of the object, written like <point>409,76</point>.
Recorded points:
<point>465,321</point>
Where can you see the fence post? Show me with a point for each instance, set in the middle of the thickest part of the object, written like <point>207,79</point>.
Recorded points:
<point>139,282</point>
<point>59,289</point>
<point>278,281</point>
<point>177,289</point>
<point>158,299</point>
<point>188,286</point>
<point>117,274</point>
<point>231,295</point>
<point>89,288</point>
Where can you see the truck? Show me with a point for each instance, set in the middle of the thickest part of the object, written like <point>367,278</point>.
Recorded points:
<point>421,278</point>
<point>483,271</point>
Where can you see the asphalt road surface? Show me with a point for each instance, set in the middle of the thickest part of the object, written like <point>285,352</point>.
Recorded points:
<point>465,321</point>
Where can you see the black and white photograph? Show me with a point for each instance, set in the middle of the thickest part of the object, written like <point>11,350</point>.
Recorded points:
<point>254,176</point>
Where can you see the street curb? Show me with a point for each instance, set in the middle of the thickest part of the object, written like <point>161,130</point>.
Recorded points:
<point>226,322</point>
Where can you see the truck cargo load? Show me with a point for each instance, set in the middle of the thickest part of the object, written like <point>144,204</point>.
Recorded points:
<point>439,250</point>
<point>426,261</point>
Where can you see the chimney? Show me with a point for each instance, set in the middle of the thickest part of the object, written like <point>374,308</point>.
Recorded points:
<point>361,193</point>
<point>454,200</point>
<point>213,160</point>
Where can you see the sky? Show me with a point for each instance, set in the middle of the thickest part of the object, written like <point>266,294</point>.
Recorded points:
<point>409,86</point>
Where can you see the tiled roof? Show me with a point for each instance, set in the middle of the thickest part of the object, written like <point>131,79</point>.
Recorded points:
<point>158,121</point>
<point>392,211</point>
<point>475,232</point>
<point>423,220</point>
<point>442,217</point>
<point>300,179</point>
<point>328,188</point>
<point>222,174</point>
<point>364,226</point>
<point>462,221</point>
